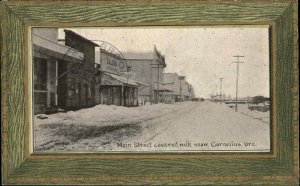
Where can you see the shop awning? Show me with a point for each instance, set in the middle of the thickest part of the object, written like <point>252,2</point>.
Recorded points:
<point>162,88</point>
<point>123,79</point>
<point>57,50</point>
<point>141,83</point>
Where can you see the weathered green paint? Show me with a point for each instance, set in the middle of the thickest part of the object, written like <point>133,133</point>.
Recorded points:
<point>145,170</point>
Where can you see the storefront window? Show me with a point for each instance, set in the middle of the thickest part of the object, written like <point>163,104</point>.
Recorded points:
<point>77,90</point>
<point>104,95</point>
<point>117,96</point>
<point>40,74</point>
<point>90,90</point>
<point>109,95</point>
<point>71,87</point>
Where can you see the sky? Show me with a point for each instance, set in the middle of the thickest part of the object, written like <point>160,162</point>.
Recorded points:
<point>202,54</point>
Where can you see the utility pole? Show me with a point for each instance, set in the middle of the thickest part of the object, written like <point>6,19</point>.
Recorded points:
<point>156,66</point>
<point>216,95</point>
<point>221,90</point>
<point>180,87</point>
<point>237,78</point>
<point>180,90</point>
<point>157,99</point>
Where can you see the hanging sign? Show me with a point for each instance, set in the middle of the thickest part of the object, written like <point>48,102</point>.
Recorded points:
<point>111,63</point>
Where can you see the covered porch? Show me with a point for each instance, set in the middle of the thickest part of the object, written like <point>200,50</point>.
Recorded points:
<point>118,90</point>
<point>162,94</point>
<point>47,56</point>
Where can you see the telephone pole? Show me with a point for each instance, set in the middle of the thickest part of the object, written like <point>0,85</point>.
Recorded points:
<point>180,90</point>
<point>156,66</point>
<point>221,90</point>
<point>180,87</point>
<point>237,78</point>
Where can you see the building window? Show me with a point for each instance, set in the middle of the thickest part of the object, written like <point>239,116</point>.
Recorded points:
<point>77,89</point>
<point>71,87</point>
<point>40,98</point>
<point>91,90</point>
<point>40,74</point>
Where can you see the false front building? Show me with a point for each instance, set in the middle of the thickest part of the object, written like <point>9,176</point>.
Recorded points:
<point>78,83</point>
<point>148,68</point>
<point>114,85</point>
<point>181,89</point>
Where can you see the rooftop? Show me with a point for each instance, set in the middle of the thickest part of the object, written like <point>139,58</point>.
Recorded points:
<point>81,37</point>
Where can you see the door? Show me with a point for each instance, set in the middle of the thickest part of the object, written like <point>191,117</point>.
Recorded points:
<point>62,85</point>
<point>79,94</point>
<point>40,85</point>
<point>86,91</point>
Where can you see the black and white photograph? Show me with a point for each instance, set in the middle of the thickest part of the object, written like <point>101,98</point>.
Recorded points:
<point>151,89</point>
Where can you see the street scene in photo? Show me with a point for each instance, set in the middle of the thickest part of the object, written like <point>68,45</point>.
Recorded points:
<point>151,89</point>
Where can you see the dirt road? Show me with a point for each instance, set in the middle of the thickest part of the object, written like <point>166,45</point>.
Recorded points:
<point>191,126</point>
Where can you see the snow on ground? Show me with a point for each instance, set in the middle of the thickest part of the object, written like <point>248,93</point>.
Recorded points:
<point>65,128</point>
<point>206,123</point>
<point>100,128</point>
<point>255,114</point>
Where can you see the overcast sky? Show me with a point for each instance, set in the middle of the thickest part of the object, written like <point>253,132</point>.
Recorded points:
<point>202,54</point>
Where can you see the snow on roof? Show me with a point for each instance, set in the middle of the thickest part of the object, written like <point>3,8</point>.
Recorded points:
<point>123,79</point>
<point>140,83</point>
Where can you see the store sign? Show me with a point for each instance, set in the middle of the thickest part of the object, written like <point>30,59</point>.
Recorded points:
<point>111,63</point>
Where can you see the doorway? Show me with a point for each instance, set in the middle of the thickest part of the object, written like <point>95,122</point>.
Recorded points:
<point>86,91</point>
<point>79,94</point>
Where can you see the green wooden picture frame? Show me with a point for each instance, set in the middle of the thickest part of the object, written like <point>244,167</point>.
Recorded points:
<point>20,166</point>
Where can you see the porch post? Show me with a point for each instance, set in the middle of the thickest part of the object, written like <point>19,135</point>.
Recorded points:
<point>48,81</point>
<point>56,82</point>
<point>122,93</point>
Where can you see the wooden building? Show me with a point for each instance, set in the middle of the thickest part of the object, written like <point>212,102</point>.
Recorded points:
<point>113,82</point>
<point>147,68</point>
<point>77,86</point>
<point>49,59</point>
<point>181,89</point>
<point>117,90</point>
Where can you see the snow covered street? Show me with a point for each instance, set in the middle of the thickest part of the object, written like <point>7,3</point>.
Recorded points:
<point>186,126</point>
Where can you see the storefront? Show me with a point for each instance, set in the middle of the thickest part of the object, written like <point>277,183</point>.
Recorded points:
<point>118,90</point>
<point>79,80</point>
<point>48,57</point>
<point>148,68</point>
<point>163,93</point>
<point>113,81</point>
